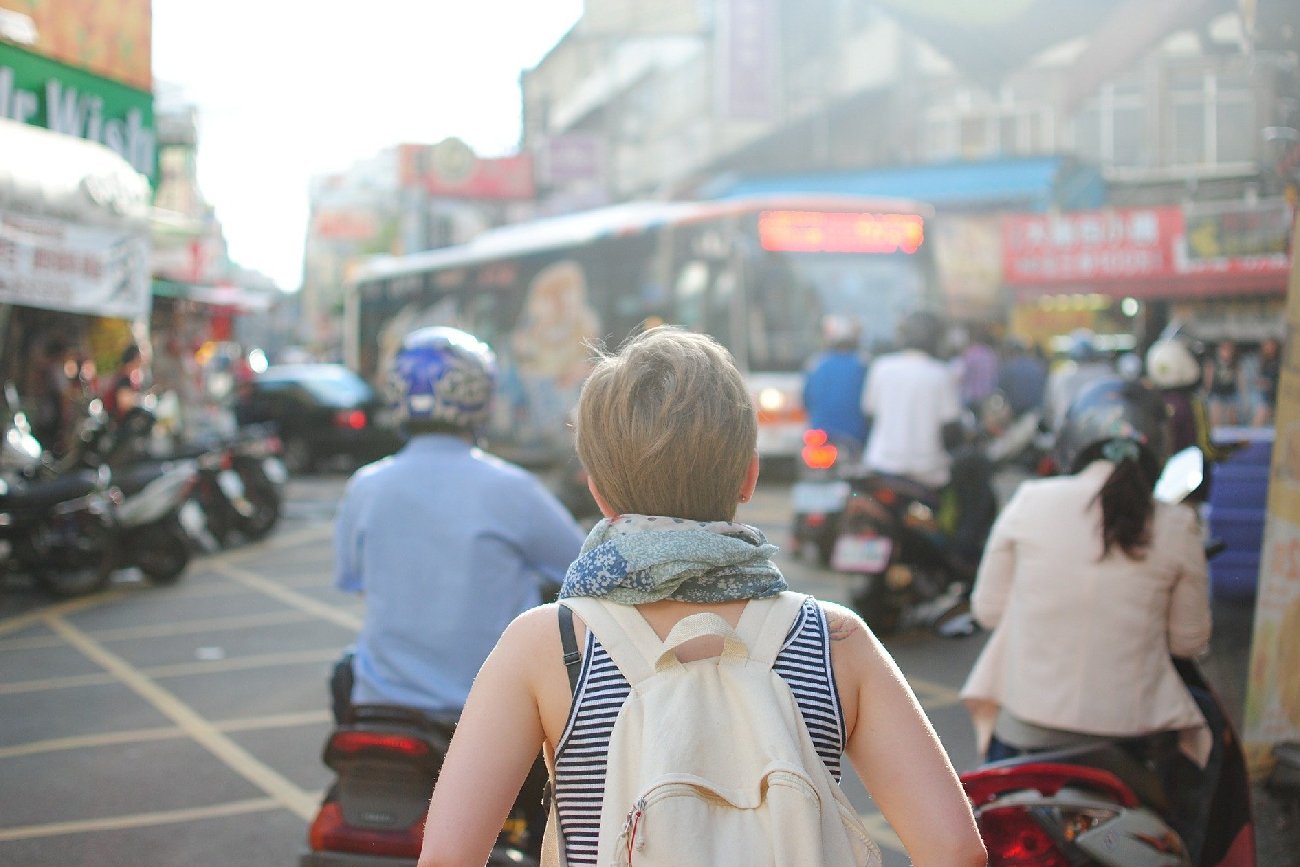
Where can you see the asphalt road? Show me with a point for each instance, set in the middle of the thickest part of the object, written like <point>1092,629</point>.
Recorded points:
<point>151,727</point>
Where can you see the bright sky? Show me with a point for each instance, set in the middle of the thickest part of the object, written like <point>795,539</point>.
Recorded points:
<point>287,89</point>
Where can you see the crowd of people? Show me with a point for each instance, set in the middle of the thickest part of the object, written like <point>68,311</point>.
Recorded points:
<point>667,433</point>
<point>1238,386</point>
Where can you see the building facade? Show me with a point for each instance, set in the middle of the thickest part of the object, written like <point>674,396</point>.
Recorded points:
<point>1189,110</point>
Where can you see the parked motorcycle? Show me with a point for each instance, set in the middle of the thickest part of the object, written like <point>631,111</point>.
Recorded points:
<point>258,457</point>
<point>385,761</point>
<point>148,532</point>
<point>239,491</point>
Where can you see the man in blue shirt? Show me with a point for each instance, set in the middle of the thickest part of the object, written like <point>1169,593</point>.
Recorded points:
<point>833,386</point>
<point>447,543</point>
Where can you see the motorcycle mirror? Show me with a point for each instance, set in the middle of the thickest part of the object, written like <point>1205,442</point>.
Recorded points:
<point>1182,474</point>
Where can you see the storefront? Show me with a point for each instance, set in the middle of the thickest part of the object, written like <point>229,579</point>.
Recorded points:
<point>74,250</point>
<point>1125,273</point>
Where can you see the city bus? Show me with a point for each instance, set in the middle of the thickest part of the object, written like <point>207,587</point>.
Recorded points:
<point>758,274</point>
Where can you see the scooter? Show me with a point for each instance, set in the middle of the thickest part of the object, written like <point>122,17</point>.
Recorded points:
<point>257,457</point>
<point>57,530</point>
<point>821,492</point>
<point>147,523</point>
<point>890,535</point>
<point>1107,805</point>
<point>385,761</point>
<point>1137,803</point>
<point>239,491</point>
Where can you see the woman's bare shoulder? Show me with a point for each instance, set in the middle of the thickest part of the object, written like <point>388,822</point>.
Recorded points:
<point>842,623</point>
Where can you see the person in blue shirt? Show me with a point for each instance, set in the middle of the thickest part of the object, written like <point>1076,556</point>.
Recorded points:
<point>833,385</point>
<point>1023,378</point>
<point>447,543</point>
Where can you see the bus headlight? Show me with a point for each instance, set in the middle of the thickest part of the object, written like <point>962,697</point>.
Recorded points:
<point>771,400</point>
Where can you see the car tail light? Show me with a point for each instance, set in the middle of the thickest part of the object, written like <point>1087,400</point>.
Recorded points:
<point>818,452</point>
<point>1014,838</point>
<point>355,743</point>
<point>330,832</point>
<point>351,418</point>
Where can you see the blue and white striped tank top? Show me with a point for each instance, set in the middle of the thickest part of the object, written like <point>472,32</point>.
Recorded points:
<point>804,663</point>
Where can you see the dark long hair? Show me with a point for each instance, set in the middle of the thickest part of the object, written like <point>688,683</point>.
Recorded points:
<point>1126,502</point>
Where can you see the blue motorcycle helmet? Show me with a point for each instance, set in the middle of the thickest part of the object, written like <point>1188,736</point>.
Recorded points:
<point>443,379</point>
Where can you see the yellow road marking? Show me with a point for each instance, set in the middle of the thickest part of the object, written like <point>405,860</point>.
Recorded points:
<point>144,736</point>
<point>139,820</point>
<point>71,681</point>
<point>54,745</point>
<point>301,601</point>
<point>71,606</point>
<point>312,533</point>
<point>242,663</point>
<point>161,630</point>
<point>180,669</point>
<point>199,729</point>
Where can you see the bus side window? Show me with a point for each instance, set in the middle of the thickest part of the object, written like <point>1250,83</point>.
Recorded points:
<point>691,291</point>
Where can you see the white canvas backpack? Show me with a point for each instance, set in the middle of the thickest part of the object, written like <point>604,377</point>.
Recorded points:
<point>710,762</point>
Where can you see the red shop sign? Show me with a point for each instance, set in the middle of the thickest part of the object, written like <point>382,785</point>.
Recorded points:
<point>1091,246</point>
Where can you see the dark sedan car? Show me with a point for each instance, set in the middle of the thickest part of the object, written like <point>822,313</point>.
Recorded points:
<point>324,413</point>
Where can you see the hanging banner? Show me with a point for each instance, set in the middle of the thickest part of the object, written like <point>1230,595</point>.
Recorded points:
<point>1272,712</point>
<point>81,269</point>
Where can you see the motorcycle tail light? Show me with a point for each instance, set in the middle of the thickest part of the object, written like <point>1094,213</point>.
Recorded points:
<point>818,452</point>
<point>350,418</point>
<point>330,832</point>
<point>986,785</point>
<point>347,744</point>
<point>1014,838</point>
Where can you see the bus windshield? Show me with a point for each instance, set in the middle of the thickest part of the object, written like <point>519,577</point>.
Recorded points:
<point>794,291</point>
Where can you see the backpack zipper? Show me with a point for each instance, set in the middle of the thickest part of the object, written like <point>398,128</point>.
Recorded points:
<point>631,825</point>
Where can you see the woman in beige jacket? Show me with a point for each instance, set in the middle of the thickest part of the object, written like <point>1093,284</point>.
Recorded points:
<point>1089,586</point>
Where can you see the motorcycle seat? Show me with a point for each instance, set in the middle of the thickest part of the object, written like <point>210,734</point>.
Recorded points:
<point>40,495</point>
<point>1110,756</point>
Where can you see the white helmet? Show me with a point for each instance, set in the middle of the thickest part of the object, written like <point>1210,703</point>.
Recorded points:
<point>1171,364</point>
<point>840,330</point>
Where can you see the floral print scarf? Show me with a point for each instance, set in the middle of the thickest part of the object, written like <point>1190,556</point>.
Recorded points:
<point>635,559</point>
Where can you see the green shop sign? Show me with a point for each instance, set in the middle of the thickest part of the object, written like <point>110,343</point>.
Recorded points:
<point>42,92</point>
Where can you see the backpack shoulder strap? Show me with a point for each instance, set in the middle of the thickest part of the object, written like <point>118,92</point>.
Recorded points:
<point>623,632</point>
<point>765,623</point>
<point>569,644</point>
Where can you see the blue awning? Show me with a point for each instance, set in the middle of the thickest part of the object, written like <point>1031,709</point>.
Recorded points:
<point>1032,184</point>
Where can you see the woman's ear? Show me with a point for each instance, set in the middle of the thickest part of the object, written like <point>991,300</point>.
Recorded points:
<point>751,479</point>
<point>600,501</point>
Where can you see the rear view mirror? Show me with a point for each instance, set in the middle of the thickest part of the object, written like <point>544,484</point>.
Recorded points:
<point>1182,474</point>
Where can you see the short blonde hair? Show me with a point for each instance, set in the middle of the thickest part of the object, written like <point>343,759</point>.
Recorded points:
<point>666,426</point>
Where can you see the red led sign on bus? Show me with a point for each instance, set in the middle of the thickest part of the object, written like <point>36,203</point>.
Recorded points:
<point>839,232</point>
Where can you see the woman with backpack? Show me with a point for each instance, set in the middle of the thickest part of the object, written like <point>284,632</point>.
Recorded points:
<point>691,710</point>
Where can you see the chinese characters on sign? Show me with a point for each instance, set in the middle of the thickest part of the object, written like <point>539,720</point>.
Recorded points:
<point>1137,244</point>
<point>1090,245</point>
<point>61,266</point>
